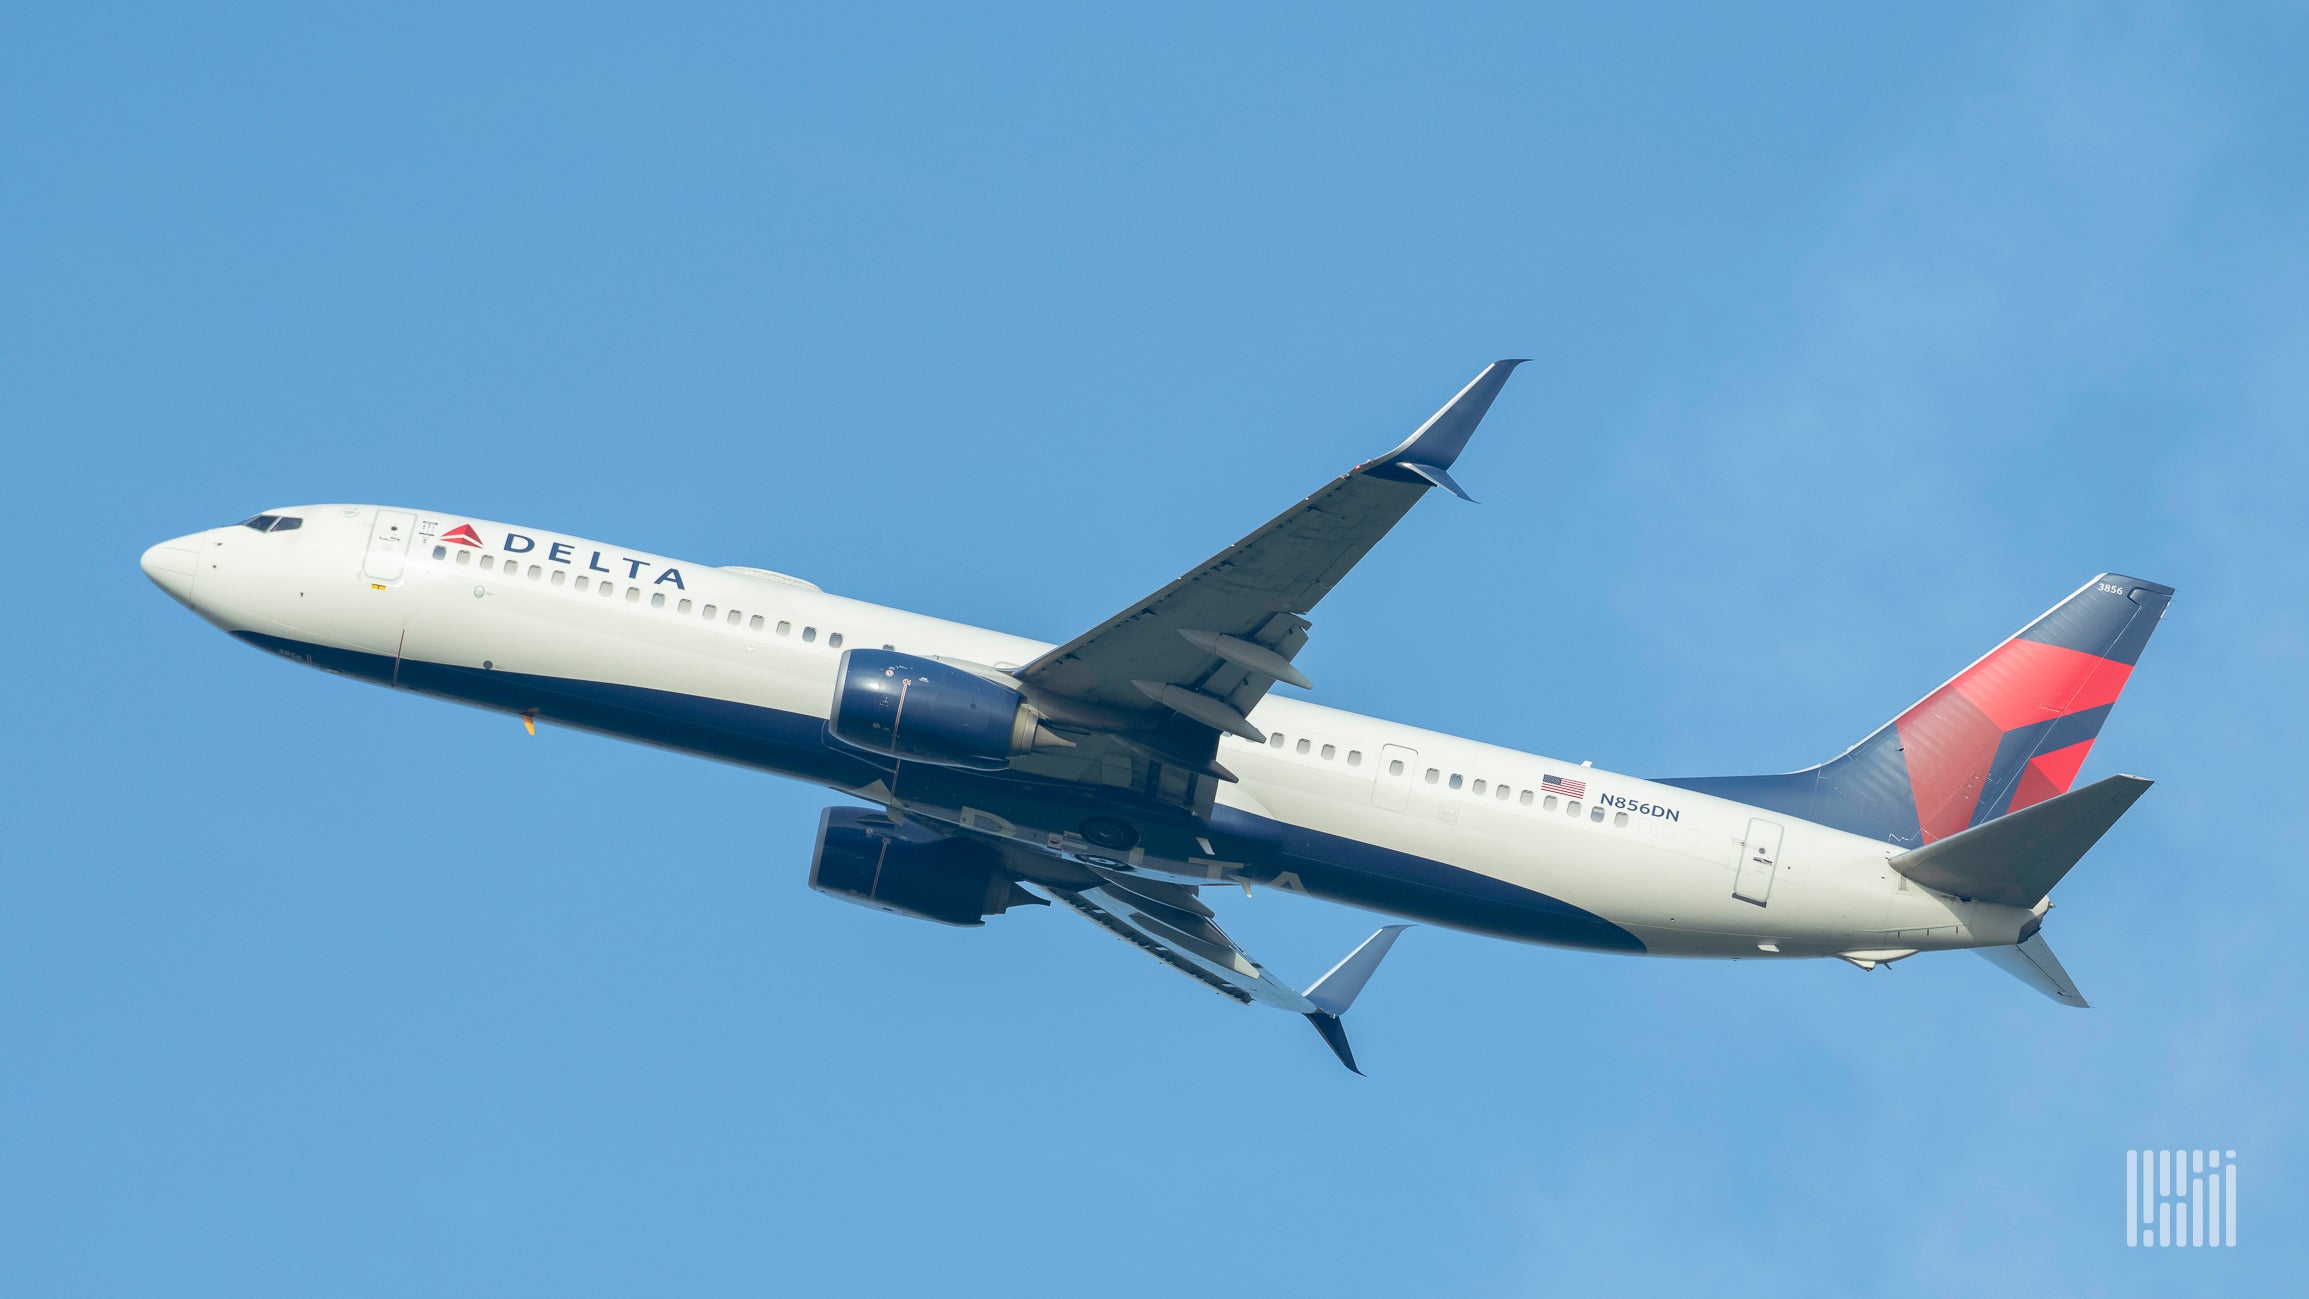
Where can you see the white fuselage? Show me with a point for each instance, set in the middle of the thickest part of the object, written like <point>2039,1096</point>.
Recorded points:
<point>668,652</point>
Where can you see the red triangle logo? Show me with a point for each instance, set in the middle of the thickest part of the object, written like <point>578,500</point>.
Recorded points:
<point>463,535</point>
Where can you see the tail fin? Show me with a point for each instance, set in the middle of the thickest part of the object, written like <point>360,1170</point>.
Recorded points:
<point>2006,733</point>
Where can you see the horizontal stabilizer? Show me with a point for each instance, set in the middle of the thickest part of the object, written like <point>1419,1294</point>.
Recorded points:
<point>2033,963</point>
<point>2016,859</point>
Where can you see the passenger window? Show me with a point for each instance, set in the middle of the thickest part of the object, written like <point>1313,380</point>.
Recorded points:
<point>732,620</point>
<point>1503,792</point>
<point>1548,805</point>
<point>606,588</point>
<point>657,600</point>
<point>683,607</point>
<point>633,595</point>
<point>1524,798</point>
<point>834,641</point>
<point>440,552</point>
<point>1479,788</point>
<point>809,634</point>
<point>785,627</point>
<point>559,576</point>
<point>1354,757</point>
<point>464,556</point>
<point>709,613</point>
<point>582,581</point>
<point>754,623</point>
<point>1571,808</point>
<point>1432,774</point>
<point>1620,819</point>
<point>1395,767</point>
<point>1455,780</point>
<point>1596,814</point>
<point>1330,751</point>
<point>1276,739</point>
<point>535,572</point>
<point>1305,745</point>
<point>488,562</point>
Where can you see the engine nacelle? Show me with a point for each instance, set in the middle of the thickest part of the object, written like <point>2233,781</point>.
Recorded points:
<point>914,707</point>
<point>865,857</point>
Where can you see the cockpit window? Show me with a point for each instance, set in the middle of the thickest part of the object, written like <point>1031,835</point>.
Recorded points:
<point>273,522</point>
<point>288,522</point>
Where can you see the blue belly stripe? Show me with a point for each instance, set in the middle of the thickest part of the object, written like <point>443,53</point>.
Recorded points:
<point>1330,866</point>
<point>1405,884</point>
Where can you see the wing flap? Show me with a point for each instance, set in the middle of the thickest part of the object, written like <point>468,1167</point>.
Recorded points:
<point>1170,922</point>
<point>1083,905</point>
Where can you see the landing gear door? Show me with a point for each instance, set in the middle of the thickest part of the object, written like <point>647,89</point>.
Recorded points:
<point>1392,790</point>
<point>388,551</point>
<point>1759,862</point>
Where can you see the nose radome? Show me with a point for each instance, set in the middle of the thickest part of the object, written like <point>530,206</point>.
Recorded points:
<point>170,565</point>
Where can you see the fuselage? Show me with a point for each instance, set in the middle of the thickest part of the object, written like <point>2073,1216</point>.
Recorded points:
<point>742,665</point>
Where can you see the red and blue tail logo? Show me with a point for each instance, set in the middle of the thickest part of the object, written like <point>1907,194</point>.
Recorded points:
<point>2007,732</point>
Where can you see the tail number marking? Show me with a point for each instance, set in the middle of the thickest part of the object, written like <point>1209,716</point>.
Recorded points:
<point>1626,804</point>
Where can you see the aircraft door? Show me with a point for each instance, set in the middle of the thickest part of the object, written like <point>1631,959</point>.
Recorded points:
<point>1392,789</point>
<point>1759,862</point>
<point>388,551</point>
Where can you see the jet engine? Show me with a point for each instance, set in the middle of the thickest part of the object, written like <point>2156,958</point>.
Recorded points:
<point>867,858</point>
<point>923,710</point>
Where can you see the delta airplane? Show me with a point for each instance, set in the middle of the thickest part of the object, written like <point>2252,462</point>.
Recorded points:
<point>1146,763</point>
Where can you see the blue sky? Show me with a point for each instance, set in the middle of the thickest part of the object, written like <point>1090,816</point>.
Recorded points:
<point>1858,339</point>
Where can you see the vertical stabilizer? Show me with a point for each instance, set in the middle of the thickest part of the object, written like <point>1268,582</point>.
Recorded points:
<point>2006,733</point>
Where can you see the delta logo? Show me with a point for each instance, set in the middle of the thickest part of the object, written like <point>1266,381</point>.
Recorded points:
<point>562,553</point>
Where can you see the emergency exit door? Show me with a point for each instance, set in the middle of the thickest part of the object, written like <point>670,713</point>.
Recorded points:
<point>1391,787</point>
<point>1759,862</point>
<point>389,545</point>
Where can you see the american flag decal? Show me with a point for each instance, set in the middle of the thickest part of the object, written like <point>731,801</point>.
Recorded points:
<point>1567,788</point>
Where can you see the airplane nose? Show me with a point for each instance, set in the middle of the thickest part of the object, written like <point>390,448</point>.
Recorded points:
<point>170,566</point>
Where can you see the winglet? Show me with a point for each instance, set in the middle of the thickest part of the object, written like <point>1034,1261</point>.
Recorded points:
<point>1428,454</point>
<point>1335,1037</point>
<point>1336,991</point>
<point>1437,477</point>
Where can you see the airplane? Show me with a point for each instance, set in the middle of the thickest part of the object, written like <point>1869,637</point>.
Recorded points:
<point>1133,771</point>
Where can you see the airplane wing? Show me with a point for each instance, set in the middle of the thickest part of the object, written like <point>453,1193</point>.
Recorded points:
<point>959,877</point>
<point>1171,923</point>
<point>1171,672</point>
